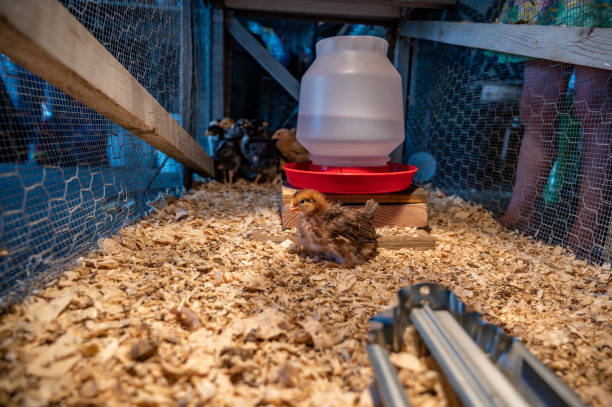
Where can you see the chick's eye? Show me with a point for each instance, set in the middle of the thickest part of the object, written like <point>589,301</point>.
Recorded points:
<point>302,201</point>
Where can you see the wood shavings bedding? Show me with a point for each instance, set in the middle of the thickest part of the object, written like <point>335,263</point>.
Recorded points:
<point>185,307</point>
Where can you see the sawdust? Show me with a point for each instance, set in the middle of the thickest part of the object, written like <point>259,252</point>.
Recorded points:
<point>185,307</point>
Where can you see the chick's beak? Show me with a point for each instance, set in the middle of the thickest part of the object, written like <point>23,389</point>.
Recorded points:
<point>293,208</point>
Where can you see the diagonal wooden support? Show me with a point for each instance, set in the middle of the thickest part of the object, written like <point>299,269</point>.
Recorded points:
<point>42,36</point>
<point>263,57</point>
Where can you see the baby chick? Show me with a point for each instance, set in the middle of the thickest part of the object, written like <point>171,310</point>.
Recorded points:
<point>260,128</point>
<point>263,157</point>
<point>241,128</point>
<point>228,159</point>
<point>326,230</point>
<point>226,123</point>
<point>216,130</point>
<point>290,148</point>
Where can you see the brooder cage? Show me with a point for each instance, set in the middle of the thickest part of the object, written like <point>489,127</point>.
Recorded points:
<point>131,275</point>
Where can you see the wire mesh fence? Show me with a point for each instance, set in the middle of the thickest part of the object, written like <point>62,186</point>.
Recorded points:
<point>531,140</point>
<point>69,176</point>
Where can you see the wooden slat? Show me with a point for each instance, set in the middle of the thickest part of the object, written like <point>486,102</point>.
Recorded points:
<point>412,195</point>
<point>364,9</point>
<point>419,240</point>
<point>321,8</point>
<point>264,58</point>
<point>400,215</point>
<point>572,45</point>
<point>42,36</point>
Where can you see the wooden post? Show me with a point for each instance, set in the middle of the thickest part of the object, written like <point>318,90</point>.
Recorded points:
<point>45,38</point>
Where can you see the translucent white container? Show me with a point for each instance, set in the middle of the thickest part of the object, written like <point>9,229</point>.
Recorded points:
<point>351,107</point>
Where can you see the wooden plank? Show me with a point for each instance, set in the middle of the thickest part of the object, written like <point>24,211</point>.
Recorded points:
<point>45,38</point>
<point>263,57</point>
<point>368,9</point>
<point>418,240</point>
<point>411,195</point>
<point>320,8</point>
<point>400,215</point>
<point>493,92</point>
<point>572,45</point>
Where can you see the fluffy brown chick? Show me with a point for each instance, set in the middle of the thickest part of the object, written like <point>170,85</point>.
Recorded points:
<point>328,231</point>
<point>289,147</point>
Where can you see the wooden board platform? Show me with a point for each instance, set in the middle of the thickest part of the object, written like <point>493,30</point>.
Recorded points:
<point>419,240</point>
<point>402,209</point>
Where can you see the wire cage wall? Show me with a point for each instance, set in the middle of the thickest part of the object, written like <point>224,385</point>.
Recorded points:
<point>529,139</point>
<point>68,175</point>
<point>204,301</point>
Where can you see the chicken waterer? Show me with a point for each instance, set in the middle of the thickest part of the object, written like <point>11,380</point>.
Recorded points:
<point>351,118</point>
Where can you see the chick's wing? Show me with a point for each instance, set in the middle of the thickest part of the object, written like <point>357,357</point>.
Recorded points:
<point>351,225</point>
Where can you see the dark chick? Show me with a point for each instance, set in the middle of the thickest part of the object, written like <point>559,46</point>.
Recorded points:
<point>228,159</point>
<point>328,231</point>
<point>262,155</point>
<point>216,130</point>
<point>260,128</point>
<point>240,129</point>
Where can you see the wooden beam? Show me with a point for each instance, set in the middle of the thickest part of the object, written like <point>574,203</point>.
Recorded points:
<point>263,57</point>
<point>320,8</point>
<point>366,9</point>
<point>42,36</point>
<point>572,45</point>
<point>417,240</point>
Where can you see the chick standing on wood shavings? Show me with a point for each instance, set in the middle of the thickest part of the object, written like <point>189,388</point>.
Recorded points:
<point>260,152</point>
<point>326,231</point>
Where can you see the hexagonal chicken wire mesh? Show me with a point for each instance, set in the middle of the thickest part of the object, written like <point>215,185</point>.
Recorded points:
<point>529,139</point>
<point>69,176</point>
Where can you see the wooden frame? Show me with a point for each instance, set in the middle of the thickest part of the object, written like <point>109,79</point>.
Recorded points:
<point>42,36</point>
<point>370,10</point>
<point>572,45</point>
<point>317,8</point>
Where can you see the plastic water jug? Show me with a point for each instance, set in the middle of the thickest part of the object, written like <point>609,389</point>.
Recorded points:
<point>351,108</point>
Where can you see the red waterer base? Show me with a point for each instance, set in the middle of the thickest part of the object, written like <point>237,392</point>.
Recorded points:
<point>350,180</point>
